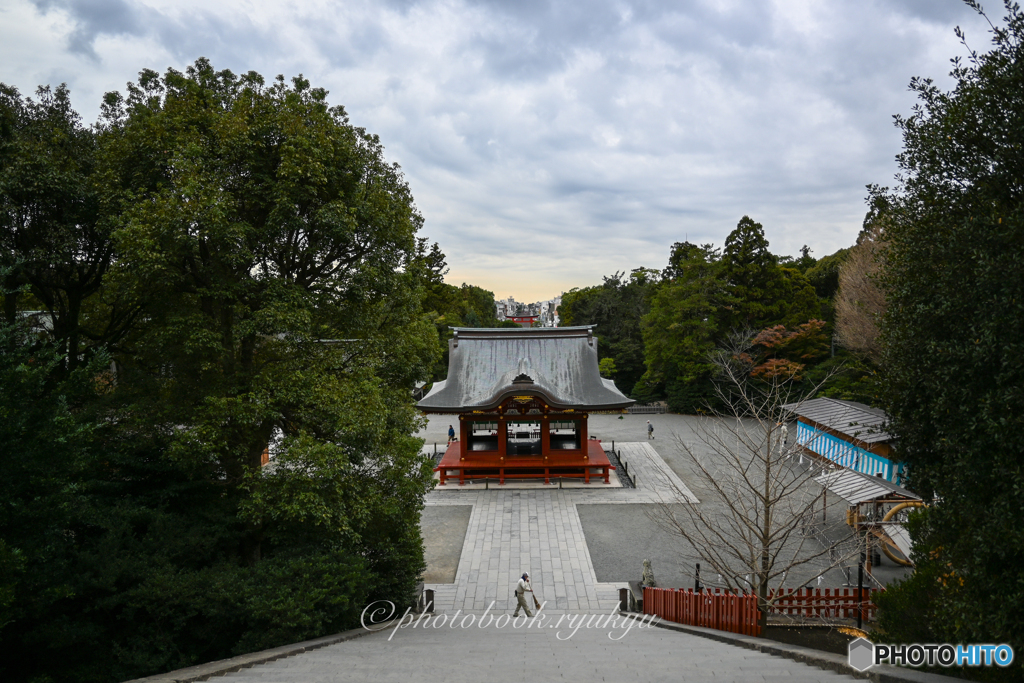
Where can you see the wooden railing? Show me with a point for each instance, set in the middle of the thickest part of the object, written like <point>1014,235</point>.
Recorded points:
<point>646,409</point>
<point>737,613</point>
<point>722,611</point>
<point>836,603</point>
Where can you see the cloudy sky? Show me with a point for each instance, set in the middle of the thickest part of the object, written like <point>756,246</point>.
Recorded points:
<point>548,143</point>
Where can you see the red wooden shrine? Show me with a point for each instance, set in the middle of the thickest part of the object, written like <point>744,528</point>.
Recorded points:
<point>522,399</point>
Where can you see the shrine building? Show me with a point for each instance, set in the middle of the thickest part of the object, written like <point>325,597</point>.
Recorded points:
<point>523,397</point>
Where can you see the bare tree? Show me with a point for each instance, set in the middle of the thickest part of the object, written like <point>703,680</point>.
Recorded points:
<point>752,526</point>
<point>860,301</point>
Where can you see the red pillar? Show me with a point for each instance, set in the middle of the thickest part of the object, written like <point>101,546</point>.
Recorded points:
<point>464,427</point>
<point>585,447</point>
<point>545,436</point>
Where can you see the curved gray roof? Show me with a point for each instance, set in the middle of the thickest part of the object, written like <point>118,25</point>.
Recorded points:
<point>854,419</point>
<point>855,487</point>
<point>485,366</point>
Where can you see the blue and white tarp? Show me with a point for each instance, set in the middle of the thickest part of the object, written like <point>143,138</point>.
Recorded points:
<point>847,454</point>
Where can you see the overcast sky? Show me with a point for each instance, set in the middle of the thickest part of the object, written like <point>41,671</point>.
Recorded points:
<point>550,143</point>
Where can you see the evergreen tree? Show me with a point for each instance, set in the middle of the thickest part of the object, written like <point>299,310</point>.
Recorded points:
<point>682,327</point>
<point>616,308</point>
<point>953,344</point>
<point>761,292</point>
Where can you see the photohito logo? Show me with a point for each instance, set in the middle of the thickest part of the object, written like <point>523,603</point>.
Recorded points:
<point>863,654</point>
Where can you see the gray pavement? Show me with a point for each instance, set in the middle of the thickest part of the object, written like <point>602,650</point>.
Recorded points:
<point>664,473</point>
<point>516,531</point>
<point>436,652</point>
<point>580,545</point>
<point>530,527</point>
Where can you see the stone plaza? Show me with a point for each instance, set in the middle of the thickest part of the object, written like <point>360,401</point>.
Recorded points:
<point>580,543</point>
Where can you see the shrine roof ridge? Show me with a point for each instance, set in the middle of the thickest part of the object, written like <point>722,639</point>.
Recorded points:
<point>557,364</point>
<point>853,419</point>
<point>490,332</point>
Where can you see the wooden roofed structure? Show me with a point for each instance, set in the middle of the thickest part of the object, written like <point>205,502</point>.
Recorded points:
<point>877,509</point>
<point>848,433</point>
<point>523,397</point>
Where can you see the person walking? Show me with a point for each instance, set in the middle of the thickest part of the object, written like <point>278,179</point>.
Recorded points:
<point>451,434</point>
<point>522,588</point>
<point>782,437</point>
<point>650,430</point>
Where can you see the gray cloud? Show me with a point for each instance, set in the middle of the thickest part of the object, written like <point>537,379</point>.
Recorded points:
<point>550,142</point>
<point>94,18</point>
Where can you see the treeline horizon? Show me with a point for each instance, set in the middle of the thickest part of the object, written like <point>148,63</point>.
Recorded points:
<point>657,328</point>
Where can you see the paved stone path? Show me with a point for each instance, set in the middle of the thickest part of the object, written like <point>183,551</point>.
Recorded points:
<point>528,527</point>
<point>497,655</point>
<point>535,528</point>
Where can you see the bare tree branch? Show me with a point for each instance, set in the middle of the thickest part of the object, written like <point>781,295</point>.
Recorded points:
<point>753,527</point>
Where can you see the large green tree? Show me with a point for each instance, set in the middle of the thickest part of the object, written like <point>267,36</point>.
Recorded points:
<point>54,237</point>
<point>616,308</point>
<point>681,327</point>
<point>761,291</point>
<point>268,237</point>
<point>270,252</point>
<point>953,336</point>
<point>706,295</point>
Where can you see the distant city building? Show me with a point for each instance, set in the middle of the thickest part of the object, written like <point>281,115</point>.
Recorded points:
<point>540,314</point>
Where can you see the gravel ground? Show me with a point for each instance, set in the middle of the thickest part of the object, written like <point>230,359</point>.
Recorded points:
<point>444,533</point>
<point>620,471</point>
<point>621,537</point>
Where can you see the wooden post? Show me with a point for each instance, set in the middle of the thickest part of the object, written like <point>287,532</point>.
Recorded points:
<point>464,427</point>
<point>502,438</point>
<point>584,436</point>
<point>545,436</point>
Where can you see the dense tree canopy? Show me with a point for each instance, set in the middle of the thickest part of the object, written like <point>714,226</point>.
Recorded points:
<point>54,239</point>
<point>761,292</point>
<point>953,342</point>
<point>235,273</point>
<point>616,308</point>
<point>657,329</point>
<point>682,327</point>
<point>706,295</point>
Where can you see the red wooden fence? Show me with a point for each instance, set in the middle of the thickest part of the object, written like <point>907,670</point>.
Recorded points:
<point>738,613</point>
<point>722,611</point>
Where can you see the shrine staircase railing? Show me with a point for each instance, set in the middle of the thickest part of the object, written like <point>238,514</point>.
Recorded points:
<point>737,613</point>
<point>828,603</point>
